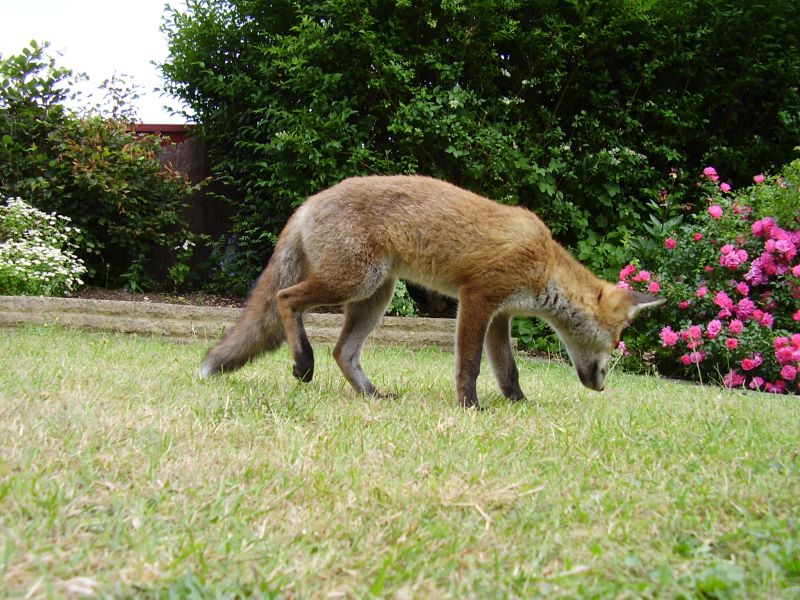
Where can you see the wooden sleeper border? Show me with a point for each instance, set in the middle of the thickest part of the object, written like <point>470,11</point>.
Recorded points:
<point>202,323</point>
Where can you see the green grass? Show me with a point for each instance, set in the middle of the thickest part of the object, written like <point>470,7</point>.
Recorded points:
<point>123,474</point>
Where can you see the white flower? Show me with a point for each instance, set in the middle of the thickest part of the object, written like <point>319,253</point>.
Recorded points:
<point>34,260</point>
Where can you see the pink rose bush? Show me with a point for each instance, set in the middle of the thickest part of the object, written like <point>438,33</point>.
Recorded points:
<point>731,275</point>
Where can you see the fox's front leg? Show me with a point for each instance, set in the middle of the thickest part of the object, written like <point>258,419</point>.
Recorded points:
<point>473,319</point>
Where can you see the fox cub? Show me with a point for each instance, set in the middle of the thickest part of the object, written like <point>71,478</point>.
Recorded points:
<point>350,243</point>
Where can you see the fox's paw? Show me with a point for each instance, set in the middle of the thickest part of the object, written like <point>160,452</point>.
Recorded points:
<point>470,402</point>
<point>303,373</point>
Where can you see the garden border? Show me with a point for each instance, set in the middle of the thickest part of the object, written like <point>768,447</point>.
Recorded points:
<point>204,323</point>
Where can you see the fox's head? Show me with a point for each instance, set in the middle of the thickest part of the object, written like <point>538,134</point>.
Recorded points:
<point>590,341</point>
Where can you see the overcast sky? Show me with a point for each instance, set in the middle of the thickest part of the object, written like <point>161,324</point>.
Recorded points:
<point>100,38</point>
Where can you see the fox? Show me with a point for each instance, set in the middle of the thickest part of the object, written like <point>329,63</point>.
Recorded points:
<point>349,244</point>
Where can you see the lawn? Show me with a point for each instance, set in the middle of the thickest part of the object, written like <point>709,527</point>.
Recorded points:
<point>124,474</point>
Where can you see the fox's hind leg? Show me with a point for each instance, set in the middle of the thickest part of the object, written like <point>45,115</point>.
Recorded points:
<point>360,318</point>
<point>292,303</point>
<point>501,357</point>
<point>368,294</point>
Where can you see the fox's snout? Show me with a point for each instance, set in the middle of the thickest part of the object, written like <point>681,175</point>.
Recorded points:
<point>593,376</point>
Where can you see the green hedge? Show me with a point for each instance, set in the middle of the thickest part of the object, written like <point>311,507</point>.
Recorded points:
<point>579,110</point>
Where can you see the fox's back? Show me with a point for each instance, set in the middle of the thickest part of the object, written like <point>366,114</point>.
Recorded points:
<point>424,208</point>
<point>434,231</point>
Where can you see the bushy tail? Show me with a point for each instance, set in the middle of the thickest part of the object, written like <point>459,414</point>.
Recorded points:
<point>259,329</point>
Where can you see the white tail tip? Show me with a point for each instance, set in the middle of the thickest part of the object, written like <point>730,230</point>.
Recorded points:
<point>206,369</point>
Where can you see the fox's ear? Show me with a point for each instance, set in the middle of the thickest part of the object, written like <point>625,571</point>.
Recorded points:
<point>639,302</point>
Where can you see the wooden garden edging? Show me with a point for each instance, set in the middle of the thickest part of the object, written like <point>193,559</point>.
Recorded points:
<point>182,322</point>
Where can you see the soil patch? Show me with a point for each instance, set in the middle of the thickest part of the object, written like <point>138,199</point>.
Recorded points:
<point>189,298</point>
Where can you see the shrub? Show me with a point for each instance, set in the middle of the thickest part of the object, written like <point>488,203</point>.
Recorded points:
<point>37,252</point>
<point>574,109</point>
<point>402,305</point>
<point>128,204</point>
<point>731,275</point>
<point>90,167</point>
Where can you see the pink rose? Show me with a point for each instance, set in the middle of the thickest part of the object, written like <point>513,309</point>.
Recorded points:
<point>715,210</point>
<point>730,260</point>
<point>784,355</point>
<point>725,187</point>
<point>780,342</point>
<point>733,379</point>
<point>786,247</point>
<point>702,291</point>
<point>776,233</point>
<point>789,372</point>
<point>742,288</point>
<point>627,271</point>
<point>723,300</point>
<point>668,337</point>
<point>713,328</point>
<point>779,387</point>
<point>763,227</point>
<point>731,343</point>
<point>736,327</point>
<point>711,173</point>
<point>745,308</point>
<point>748,364</point>
<point>697,237</point>
<point>759,178</point>
<point>670,243</point>
<point>796,270</point>
<point>654,287</point>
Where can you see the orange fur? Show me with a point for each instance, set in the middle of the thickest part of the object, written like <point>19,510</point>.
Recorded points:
<point>350,243</point>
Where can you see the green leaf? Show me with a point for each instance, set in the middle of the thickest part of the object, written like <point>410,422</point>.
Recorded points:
<point>612,189</point>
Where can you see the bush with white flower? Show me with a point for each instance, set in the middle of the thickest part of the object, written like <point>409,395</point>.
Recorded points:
<point>37,251</point>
